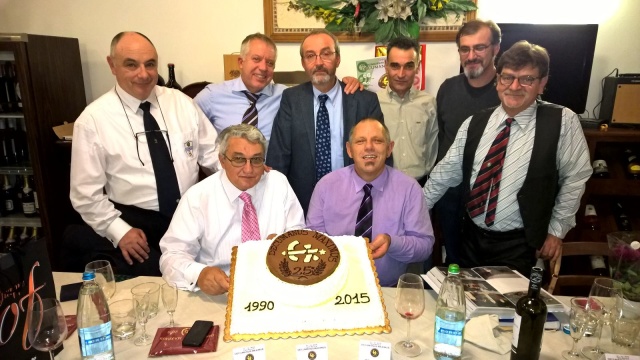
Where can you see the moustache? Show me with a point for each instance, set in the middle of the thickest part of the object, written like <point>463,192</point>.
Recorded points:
<point>320,68</point>
<point>474,61</point>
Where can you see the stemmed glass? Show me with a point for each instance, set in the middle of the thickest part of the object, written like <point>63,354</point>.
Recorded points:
<point>410,305</point>
<point>104,276</point>
<point>47,326</point>
<point>170,300</point>
<point>604,291</point>
<point>578,321</point>
<point>141,309</point>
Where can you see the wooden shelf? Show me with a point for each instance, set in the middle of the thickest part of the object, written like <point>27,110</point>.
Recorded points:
<point>19,220</point>
<point>12,115</point>
<point>22,169</point>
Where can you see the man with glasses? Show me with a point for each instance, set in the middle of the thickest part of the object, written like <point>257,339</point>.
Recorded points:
<point>313,122</point>
<point>136,150</point>
<point>240,203</point>
<point>458,98</point>
<point>522,166</point>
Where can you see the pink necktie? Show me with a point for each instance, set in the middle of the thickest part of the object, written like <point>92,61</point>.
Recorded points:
<point>250,228</point>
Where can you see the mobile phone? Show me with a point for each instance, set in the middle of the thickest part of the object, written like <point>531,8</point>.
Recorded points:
<point>197,333</point>
<point>70,291</point>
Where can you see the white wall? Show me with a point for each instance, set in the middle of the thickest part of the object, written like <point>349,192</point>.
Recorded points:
<point>194,34</point>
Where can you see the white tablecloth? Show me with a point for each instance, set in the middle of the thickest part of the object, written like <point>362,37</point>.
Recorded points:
<point>199,306</point>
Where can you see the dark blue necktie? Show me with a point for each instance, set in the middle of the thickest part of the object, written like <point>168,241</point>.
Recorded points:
<point>323,139</point>
<point>364,221</point>
<point>166,179</point>
<point>251,115</point>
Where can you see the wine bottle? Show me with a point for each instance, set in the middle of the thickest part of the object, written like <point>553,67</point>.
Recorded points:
<point>4,96</point>
<point>528,323</point>
<point>632,164</point>
<point>22,149</point>
<point>600,169</point>
<point>16,85</point>
<point>9,196</point>
<point>34,234</point>
<point>12,141</point>
<point>598,266</point>
<point>24,237</point>
<point>1,240</point>
<point>172,83</point>
<point>11,244</point>
<point>591,218</point>
<point>28,200</point>
<point>4,146</point>
<point>622,220</point>
<point>11,90</point>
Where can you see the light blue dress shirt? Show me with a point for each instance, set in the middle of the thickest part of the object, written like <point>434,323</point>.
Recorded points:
<point>334,107</point>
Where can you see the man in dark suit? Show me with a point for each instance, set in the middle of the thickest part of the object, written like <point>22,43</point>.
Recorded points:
<point>312,125</point>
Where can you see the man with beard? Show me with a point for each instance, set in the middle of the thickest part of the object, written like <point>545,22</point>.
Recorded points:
<point>458,98</point>
<point>522,167</point>
<point>313,122</point>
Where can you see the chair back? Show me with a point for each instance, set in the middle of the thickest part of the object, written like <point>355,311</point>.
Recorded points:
<point>192,90</point>
<point>290,78</point>
<point>577,248</point>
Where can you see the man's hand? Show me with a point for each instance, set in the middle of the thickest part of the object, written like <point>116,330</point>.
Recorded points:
<point>213,281</point>
<point>351,85</point>
<point>134,245</point>
<point>551,248</point>
<point>380,245</point>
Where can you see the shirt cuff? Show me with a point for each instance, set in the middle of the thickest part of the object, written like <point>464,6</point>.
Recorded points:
<point>558,228</point>
<point>191,274</point>
<point>117,230</point>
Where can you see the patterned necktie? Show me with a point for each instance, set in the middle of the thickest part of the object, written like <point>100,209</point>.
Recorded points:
<point>165,173</point>
<point>251,115</point>
<point>364,221</point>
<point>323,139</point>
<point>250,227</point>
<point>486,188</point>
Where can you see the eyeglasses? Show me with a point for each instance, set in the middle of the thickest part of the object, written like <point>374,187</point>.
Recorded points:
<point>239,161</point>
<point>478,49</point>
<point>525,80</point>
<point>153,137</point>
<point>324,56</point>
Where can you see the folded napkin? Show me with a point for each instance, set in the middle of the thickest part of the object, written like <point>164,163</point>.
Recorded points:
<point>483,332</point>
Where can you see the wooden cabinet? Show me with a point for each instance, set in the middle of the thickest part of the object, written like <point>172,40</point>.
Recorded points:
<point>49,73</point>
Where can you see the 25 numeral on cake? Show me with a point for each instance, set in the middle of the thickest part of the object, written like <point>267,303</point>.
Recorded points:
<point>347,299</point>
<point>259,306</point>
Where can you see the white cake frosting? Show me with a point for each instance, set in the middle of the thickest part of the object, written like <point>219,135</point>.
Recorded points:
<point>264,306</point>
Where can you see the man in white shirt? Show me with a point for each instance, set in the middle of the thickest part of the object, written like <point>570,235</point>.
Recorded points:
<point>114,184</point>
<point>215,214</point>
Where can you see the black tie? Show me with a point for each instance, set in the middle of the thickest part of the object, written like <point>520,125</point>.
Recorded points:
<point>166,179</point>
<point>364,221</point>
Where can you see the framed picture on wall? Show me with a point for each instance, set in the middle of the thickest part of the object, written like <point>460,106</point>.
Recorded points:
<point>284,23</point>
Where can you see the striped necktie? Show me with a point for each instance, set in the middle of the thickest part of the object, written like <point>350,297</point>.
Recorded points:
<point>364,221</point>
<point>323,139</point>
<point>483,197</point>
<point>251,115</point>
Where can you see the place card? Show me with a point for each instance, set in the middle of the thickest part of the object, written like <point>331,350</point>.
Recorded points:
<point>374,350</point>
<point>255,352</point>
<point>621,357</point>
<point>315,351</point>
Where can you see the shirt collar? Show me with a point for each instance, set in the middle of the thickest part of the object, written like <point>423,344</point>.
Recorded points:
<point>233,192</point>
<point>238,86</point>
<point>333,93</point>
<point>378,183</point>
<point>409,96</point>
<point>522,119</point>
<point>134,103</point>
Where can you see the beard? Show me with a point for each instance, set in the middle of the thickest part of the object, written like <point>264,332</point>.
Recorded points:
<point>474,73</point>
<point>321,79</point>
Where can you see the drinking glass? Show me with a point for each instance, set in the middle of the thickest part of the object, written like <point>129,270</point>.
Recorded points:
<point>410,305</point>
<point>578,321</point>
<point>153,289</point>
<point>625,321</point>
<point>123,319</point>
<point>604,291</point>
<point>170,300</point>
<point>104,276</point>
<point>141,308</point>
<point>47,326</point>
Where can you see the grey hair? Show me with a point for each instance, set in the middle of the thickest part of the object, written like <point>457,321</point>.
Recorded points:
<point>245,131</point>
<point>336,43</point>
<point>385,130</point>
<point>116,40</point>
<point>244,48</point>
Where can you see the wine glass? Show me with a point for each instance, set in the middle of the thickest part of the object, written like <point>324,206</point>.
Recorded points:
<point>170,300</point>
<point>141,309</point>
<point>578,321</point>
<point>604,291</point>
<point>410,305</point>
<point>47,325</point>
<point>104,276</point>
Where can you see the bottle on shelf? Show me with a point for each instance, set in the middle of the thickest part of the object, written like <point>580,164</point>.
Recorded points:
<point>1,240</point>
<point>600,169</point>
<point>94,321</point>
<point>632,164</point>
<point>28,200</point>
<point>16,85</point>
<point>172,83</point>
<point>11,244</point>
<point>450,317</point>
<point>22,149</point>
<point>24,236</point>
<point>622,220</point>
<point>4,95</point>
<point>591,218</point>
<point>11,90</point>
<point>12,142</point>
<point>17,191</point>
<point>34,234</point>
<point>4,144</point>
<point>9,196</point>
<point>528,323</point>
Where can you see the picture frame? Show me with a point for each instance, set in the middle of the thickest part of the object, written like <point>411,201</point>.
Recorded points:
<point>286,26</point>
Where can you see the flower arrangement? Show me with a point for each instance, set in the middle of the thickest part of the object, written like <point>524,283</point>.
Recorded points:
<point>387,19</point>
<point>624,262</point>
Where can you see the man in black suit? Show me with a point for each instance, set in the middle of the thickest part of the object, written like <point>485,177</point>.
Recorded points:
<point>312,125</point>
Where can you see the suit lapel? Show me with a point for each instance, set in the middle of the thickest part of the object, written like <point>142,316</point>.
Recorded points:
<point>308,118</point>
<point>349,113</point>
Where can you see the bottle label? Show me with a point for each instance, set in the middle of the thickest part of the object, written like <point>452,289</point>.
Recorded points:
<point>95,340</point>
<point>597,262</point>
<point>516,331</point>
<point>28,208</point>
<point>590,210</point>
<point>8,204</point>
<point>448,336</point>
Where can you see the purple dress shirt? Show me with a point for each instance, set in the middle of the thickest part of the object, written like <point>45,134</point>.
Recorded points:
<point>399,209</point>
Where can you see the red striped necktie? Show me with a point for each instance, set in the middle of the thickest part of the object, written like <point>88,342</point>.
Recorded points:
<point>483,197</point>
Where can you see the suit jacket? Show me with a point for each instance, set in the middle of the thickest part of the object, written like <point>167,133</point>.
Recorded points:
<point>293,137</point>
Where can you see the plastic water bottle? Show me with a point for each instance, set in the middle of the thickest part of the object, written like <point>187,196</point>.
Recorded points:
<point>450,317</point>
<point>94,321</point>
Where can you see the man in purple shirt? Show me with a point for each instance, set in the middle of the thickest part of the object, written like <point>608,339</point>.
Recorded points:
<point>401,231</point>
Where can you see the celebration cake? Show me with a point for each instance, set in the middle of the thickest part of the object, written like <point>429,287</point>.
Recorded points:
<point>301,284</point>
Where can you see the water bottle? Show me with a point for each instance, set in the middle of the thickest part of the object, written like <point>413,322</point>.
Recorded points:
<point>451,310</point>
<point>94,321</point>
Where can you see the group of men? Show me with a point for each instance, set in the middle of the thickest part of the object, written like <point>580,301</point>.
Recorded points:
<point>327,156</point>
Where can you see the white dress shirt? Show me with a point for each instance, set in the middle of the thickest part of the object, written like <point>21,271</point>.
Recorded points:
<point>572,162</point>
<point>208,223</point>
<point>104,154</point>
